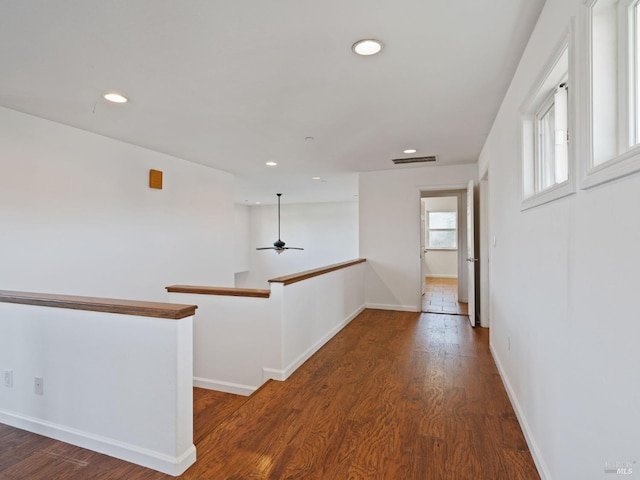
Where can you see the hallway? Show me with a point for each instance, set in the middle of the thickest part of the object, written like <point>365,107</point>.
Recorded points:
<point>393,396</point>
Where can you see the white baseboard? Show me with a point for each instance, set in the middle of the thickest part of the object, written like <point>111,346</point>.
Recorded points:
<point>271,373</point>
<point>221,386</point>
<point>533,447</point>
<point>131,453</point>
<point>434,275</point>
<point>398,308</point>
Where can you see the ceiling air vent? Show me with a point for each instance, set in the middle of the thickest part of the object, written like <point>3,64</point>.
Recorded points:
<point>402,161</point>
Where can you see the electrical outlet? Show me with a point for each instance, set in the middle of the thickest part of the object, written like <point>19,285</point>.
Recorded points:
<point>38,385</point>
<point>8,378</point>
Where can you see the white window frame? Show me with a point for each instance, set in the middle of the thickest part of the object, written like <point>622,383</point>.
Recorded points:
<point>538,149</point>
<point>557,70</point>
<point>540,160</point>
<point>624,140</point>
<point>428,231</point>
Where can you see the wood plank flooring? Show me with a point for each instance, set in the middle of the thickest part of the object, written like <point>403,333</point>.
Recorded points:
<point>395,395</point>
<point>441,296</point>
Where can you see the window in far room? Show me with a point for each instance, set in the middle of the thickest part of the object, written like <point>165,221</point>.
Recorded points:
<point>441,230</point>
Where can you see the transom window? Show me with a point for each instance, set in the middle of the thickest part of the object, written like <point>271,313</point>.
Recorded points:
<point>551,152</point>
<point>546,119</point>
<point>612,91</point>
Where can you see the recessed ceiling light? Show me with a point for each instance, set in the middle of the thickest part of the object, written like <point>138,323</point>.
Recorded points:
<point>115,97</point>
<point>308,139</point>
<point>315,178</point>
<point>367,47</point>
<point>271,164</point>
<point>257,203</point>
<point>410,150</point>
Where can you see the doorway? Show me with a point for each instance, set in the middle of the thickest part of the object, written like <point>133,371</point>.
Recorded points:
<point>443,247</point>
<point>441,296</point>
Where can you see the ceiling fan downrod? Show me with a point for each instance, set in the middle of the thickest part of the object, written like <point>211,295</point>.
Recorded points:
<point>279,245</point>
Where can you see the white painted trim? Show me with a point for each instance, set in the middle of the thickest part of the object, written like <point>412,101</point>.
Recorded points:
<point>398,308</point>
<point>547,78</point>
<point>459,191</point>
<point>543,471</point>
<point>484,238</point>
<point>273,374</point>
<point>222,386</point>
<point>551,75</point>
<point>441,188</point>
<point>627,162</point>
<point>548,195</point>
<point>623,165</point>
<point>435,275</point>
<point>282,375</point>
<point>141,456</point>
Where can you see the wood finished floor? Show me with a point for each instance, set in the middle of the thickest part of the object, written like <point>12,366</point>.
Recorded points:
<point>395,395</point>
<point>441,296</point>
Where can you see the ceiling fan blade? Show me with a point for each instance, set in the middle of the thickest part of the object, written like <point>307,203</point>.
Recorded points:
<point>266,248</point>
<point>293,248</point>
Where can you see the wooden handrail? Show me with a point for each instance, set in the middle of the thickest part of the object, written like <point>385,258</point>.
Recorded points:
<point>256,292</point>
<point>233,292</point>
<point>297,277</point>
<point>171,311</point>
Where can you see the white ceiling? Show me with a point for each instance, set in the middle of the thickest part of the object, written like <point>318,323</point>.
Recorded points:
<point>235,83</point>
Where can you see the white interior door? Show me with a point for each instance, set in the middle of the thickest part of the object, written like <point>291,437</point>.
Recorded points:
<point>471,257</point>
<point>423,249</point>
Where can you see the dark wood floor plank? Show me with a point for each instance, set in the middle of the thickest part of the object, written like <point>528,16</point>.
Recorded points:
<point>395,395</point>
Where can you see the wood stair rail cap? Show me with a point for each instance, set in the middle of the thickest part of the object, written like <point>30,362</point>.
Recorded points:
<point>171,311</point>
<point>230,292</point>
<point>297,277</point>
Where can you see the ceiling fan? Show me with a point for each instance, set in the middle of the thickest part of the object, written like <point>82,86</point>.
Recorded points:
<point>279,245</point>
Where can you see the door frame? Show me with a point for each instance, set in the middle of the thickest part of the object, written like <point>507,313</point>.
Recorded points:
<point>484,242</point>
<point>459,191</point>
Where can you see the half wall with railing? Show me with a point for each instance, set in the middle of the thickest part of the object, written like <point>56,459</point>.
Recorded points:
<point>113,376</point>
<point>243,337</point>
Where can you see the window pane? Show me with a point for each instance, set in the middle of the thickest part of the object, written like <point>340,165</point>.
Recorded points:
<point>561,157</point>
<point>442,220</point>
<point>604,71</point>
<point>442,239</point>
<point>553,156</point>
<point>547,149</point>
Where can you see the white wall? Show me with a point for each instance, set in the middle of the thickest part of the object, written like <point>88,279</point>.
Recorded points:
<point>440,263</point>
<point>564,286</point>
<point>116,384</point>
<point>234,338</point>
<point>78,217</point>
<point>328,232</point>
<point>314,310</point>
<point>242,229</point>
<point>390,229</point>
